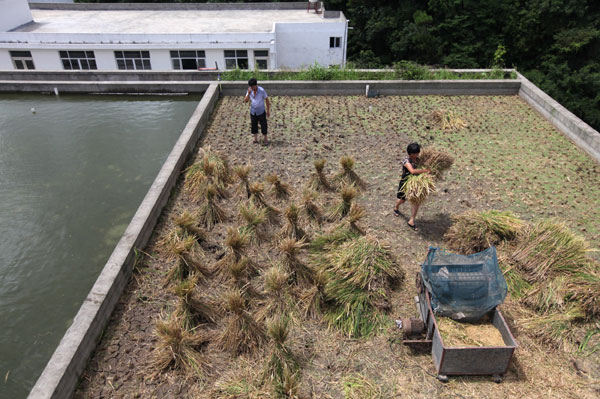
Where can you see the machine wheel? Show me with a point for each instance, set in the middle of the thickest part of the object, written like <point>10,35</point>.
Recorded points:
<point>497,378</point>
<point>442,378</point>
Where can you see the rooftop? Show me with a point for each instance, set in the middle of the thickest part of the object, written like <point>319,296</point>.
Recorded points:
<point>165,21</point>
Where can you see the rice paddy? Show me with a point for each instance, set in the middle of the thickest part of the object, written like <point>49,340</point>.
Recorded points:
<point>313,316</point>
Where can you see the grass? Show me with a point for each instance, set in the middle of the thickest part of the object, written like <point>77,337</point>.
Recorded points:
<point>403,70</point>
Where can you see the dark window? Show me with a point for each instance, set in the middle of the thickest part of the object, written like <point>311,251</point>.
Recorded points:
<point>236,59</point>
<point>335,42</point>
<point>22,59</point>
<point>261,53</point>
<point>78,59</point>
<point>261,64</point>
<point>230,63</point>
<point>20,53</point>
<point>188,59</point>
<point>133,60</point>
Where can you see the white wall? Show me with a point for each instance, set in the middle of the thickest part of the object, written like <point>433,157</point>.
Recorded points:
<point>5,61</point>
<point>46,60</point>
<point>14,13</point>
<point>300,45</point>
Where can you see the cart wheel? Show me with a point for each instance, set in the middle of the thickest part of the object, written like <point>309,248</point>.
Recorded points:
<point>419,282</point>
<point>497,378</point>
<point>443,378</point>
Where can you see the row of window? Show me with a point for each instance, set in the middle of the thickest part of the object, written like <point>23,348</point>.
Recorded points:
<point>140,60</point>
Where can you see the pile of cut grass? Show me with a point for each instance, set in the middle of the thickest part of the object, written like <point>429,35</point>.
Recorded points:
<point>474,231</point>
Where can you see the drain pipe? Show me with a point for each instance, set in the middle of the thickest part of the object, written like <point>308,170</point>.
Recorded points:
<point>345,42</point>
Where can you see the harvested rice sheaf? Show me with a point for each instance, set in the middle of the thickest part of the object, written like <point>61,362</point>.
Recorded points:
<point>358,272</point>
<point>178,347</point>
<point>448,120</point>
<point>436,161</point>
<point>418,187</point>
<point>241,334</point>
<point>549,248</point>
<point>347,176</point>
<point>280,189</point>
<point>282,363</point>
<point>318,181</point>
<point>474,231</point>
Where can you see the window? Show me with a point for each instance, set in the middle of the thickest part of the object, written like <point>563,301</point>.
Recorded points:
<point>22,59</point>
<point>129,60</point>
<point>188,59</point>
<point>261,59</point>
<point>335,42</point>
<point>236,59</point>
<point>78,60</point>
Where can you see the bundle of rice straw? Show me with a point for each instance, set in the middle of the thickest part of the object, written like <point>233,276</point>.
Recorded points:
<point>448,120</point>
<point>549,248</point>
<point>436,161</point>
<point>474,231</point>
<point>418,187</point>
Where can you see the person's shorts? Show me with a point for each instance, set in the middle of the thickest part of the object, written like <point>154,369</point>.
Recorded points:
<point>401,195</point>
<point>254,119</point>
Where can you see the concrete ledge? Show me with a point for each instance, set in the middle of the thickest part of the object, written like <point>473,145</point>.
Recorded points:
<point>582,134</point>
<point>144,76</point>
<point>59,378</point>
<point>20,86</point>
<point>298,5</point>
<point>387,88</point>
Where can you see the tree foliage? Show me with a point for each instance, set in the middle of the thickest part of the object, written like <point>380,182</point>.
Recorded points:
<point>554,43</point>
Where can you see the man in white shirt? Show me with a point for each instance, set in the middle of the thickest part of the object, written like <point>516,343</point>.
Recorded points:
<point>258,98</point>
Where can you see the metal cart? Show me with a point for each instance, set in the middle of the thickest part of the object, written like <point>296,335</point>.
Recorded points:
<point>487,360</point>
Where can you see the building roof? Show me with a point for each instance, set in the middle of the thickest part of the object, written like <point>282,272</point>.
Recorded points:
<point>165,21</point>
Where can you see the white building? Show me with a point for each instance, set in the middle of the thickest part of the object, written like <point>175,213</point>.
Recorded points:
<point>166,37</point>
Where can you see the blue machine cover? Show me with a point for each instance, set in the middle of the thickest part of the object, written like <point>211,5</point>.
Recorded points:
<point>463,287</point>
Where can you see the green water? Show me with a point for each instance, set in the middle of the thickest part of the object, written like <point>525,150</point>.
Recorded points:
<point>73,170</point>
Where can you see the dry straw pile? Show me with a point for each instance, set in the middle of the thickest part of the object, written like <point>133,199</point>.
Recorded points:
<point>551,279</point>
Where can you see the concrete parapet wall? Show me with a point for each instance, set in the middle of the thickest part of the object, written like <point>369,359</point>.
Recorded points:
<point>582,134</point>
<point>112,76</point>
<point>59,378</point>
<point>298,5</point>
<point>378,87</point>
<point>16,86</point>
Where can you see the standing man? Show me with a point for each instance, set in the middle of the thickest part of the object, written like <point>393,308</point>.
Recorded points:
<point>258,98</point>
